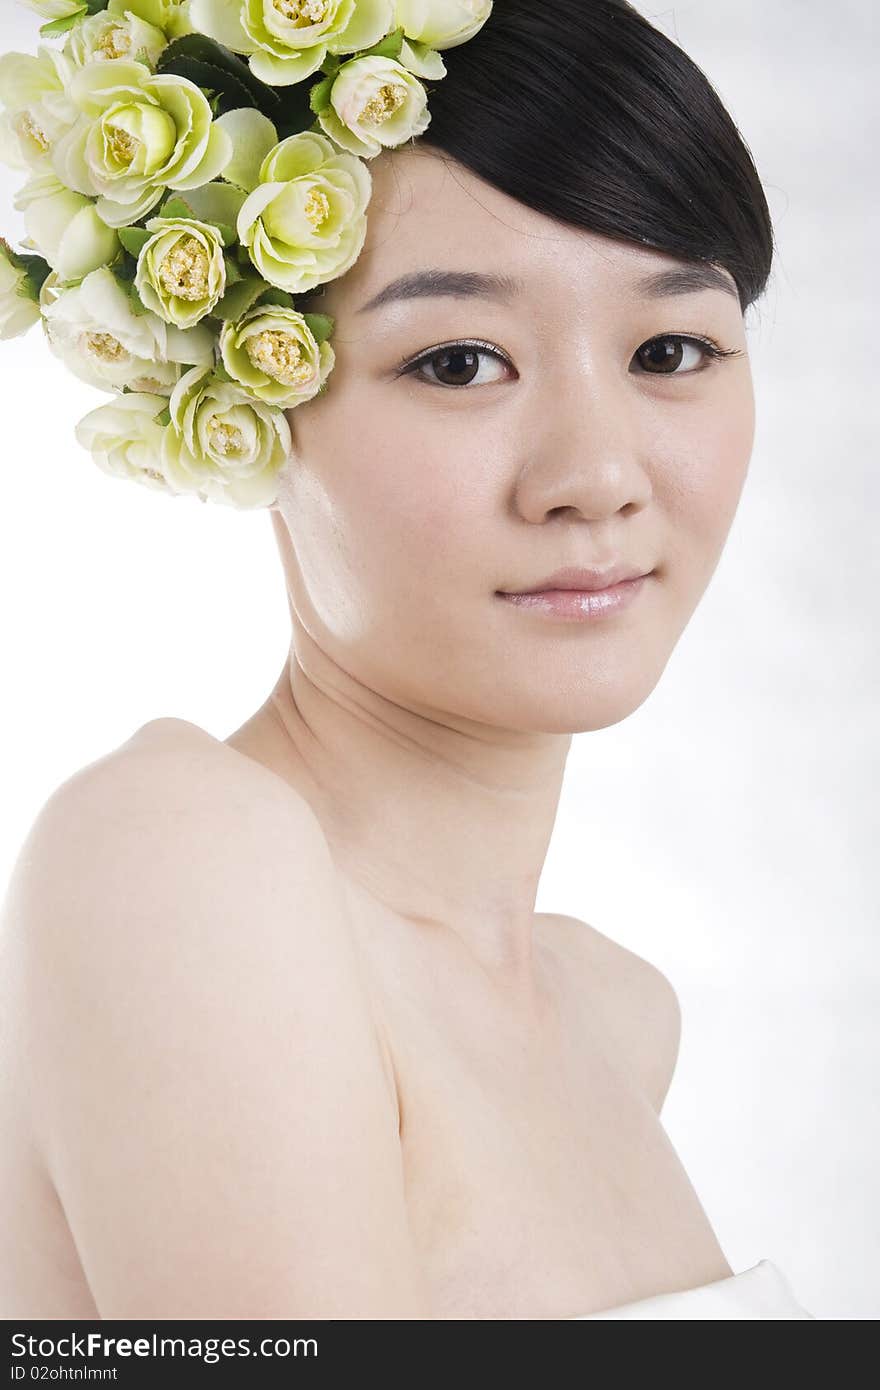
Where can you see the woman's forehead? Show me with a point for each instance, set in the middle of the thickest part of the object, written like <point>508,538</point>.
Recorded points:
<point>435,229</point>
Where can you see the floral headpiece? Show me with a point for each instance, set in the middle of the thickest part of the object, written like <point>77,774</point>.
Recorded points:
<point>184,188</point>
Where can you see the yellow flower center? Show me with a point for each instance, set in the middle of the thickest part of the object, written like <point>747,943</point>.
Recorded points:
<point>113,43</point>
<point>184,271</point>
<point>317,207</point>
<point>386,101</point>
<point>225,439</point>
<point>105,347</point>
<point>146,383</point>
<point>302,12</point>
<point>121,144</point>
<point>279,355</point>
<point>25,125</point>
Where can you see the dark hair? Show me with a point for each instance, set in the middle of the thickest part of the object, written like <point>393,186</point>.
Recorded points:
<point>584,111</point>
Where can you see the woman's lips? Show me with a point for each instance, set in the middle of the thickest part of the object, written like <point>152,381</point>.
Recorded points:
<point>579,605</point>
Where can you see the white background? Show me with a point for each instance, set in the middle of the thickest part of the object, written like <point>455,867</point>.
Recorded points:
<point>726,829</point>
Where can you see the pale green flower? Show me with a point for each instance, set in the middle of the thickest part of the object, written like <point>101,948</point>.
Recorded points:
<point>171,16</point>
<point>441,23</point>
<point>65,227</point>
<point>273,353</point>
<point>37,109</point>
<point>97,332</point>
<point>138,134</point>
<point>375,104</point>
<point>305,222</point>
<point>125,438</point>
<point>224,444</point>
<point>288,40</point>
<point>57,9</point>
<point>181,272</point>
<point>19,311</point>
<point>103,36</point>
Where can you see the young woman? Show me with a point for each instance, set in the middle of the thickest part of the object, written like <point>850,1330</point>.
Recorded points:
<point>287,1037</point>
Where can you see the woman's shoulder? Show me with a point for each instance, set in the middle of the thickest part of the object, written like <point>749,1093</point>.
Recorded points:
<point>169,844</point>
<point>179,767</point>
<point>636,1001</point>
<point>177,948</point>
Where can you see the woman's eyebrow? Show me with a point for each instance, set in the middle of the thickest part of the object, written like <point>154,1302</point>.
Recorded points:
<point>454,284</point>
<point>474,284</point>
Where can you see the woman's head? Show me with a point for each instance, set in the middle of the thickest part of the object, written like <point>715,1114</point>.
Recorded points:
<point>574,158</point>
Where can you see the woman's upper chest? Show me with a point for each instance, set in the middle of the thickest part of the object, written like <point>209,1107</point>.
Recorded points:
<point>540,1182</point>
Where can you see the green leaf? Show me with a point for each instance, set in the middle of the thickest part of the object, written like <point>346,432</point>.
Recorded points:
<point>320,326</point>
<point>125,267</point>
<point>61,26</point>
<point>35,268</point>
<point>175,207</point>
<point>233,274</point>
<point>221,374</point>
<point>133,239</point>
<point>389,47</point>
<point>137,304</point>
<point>209,64</point>
<point>319,95</point>
<point>36,273</point>
<point>194,207</point>
<point>243,294</point>
<point>227,92</point>
<point>276,296</point>
<point>164,416</point>
<point>217,203</point>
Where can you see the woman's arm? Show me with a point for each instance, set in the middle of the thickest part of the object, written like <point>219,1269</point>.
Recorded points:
<point>206,1080</point>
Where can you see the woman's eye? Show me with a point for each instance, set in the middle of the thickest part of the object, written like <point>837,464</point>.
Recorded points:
<point>663,356</point>
<point>459,364</point>
<point>456,364</point>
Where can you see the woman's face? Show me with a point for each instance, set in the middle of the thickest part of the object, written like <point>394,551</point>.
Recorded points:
<point>413,496</point>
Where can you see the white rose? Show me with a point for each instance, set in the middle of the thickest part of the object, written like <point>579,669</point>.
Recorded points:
<point>375,104</point>
<point>171,16</point>
<point>103,36</point>
<point>224,444</point>
<point>181,271</point>
<point>288,40</point>
<point>274,354</point>
<point>18,309</point>
<point>139,133</point>
<point>37,108</point>
<point>442,23</point>
<point>65,227</point>
<point>305,221</point>
<point>97,333</point>
<point>125,438</point>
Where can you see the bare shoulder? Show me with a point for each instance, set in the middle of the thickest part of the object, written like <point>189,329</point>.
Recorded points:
<point>204,1076</point>
<point>638,1003</point>
<point>169,815</point>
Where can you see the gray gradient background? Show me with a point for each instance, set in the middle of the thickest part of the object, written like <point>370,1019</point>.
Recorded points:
<point>727,829</point>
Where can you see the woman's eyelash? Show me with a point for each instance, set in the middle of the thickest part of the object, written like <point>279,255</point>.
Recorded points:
<point>409,364</point>
<point>713,351</point>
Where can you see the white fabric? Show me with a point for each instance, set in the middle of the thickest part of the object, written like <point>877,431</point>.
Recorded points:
<point>760,1292</point>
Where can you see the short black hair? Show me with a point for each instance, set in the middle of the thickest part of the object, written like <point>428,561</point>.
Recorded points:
<point>582,110</point>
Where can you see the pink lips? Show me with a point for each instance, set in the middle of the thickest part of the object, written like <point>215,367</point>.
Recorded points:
<point>587,578</point>
<point>579,604</point>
